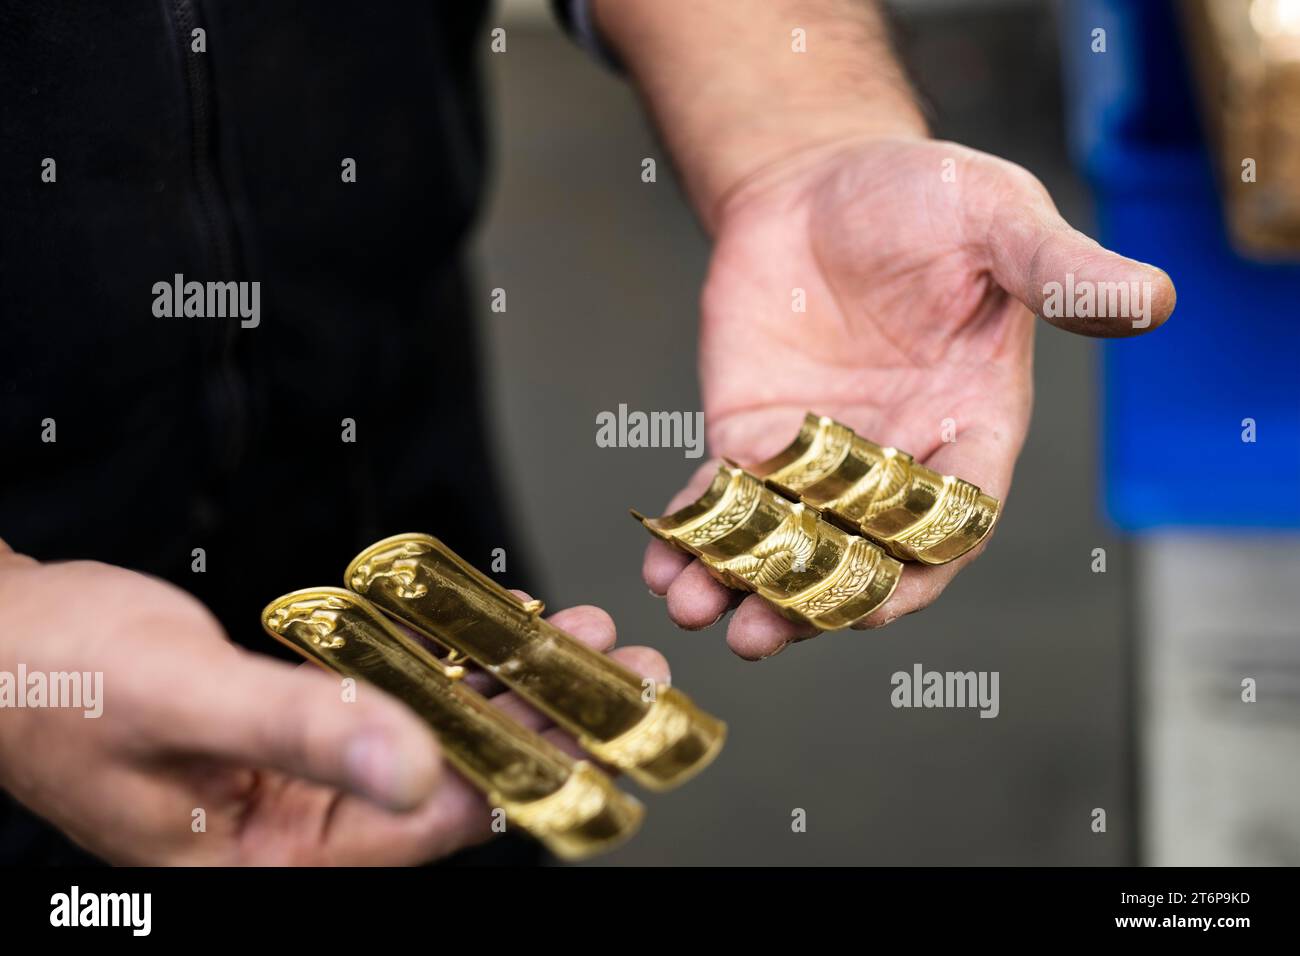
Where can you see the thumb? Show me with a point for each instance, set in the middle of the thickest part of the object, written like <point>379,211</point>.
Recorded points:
<point>1068,278</point>
<point>263,713</point>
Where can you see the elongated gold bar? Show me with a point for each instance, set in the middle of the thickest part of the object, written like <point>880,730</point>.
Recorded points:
<point>913,512</point>
<point>571,807</point>
<point>751,538</point>
<point>653,733</point>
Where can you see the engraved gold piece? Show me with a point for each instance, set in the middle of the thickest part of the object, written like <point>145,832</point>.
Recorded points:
<point>751,538</point>
<point>913,512</point>
<point>570,806</point>
<point>653,733</point>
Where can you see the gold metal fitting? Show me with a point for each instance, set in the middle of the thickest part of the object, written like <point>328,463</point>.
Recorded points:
<point>751,538</point>
<point>570,806</point>
<point>654,733</point>
<point>913,512</point>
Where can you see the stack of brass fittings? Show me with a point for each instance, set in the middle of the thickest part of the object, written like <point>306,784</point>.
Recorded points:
<point>822,529</point>
<point>414,614</point>
<point>1246,55</point>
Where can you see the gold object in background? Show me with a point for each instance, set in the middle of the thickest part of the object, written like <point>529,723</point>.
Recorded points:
<point>751,538</point>
<point>573,808</point>
<point>913,512</point>
<point>655,734</point>
<point>1246,55</point>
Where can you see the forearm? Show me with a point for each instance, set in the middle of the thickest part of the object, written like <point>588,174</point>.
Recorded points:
<point>731,94</point>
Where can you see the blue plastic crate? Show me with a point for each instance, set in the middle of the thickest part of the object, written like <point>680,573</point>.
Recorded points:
<point>1174,401</point>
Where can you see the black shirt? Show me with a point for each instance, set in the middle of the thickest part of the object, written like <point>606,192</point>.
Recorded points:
<point>220,156</point>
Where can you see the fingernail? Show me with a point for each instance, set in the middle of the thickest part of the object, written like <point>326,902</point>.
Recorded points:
<point>372,766</point>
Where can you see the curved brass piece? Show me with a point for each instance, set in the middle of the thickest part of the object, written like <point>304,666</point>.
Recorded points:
<point>571,807</point>
<point>913,512</point>
<point>751,538</point>
<point>654,733</point>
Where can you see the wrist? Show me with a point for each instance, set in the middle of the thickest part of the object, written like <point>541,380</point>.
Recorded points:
<point>16,575</point>
<point>737,88</point>
<point>758,158</point>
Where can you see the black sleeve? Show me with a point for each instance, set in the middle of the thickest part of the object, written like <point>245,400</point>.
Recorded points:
<point>576,19</point>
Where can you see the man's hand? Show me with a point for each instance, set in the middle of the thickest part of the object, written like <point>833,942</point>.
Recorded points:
<point>920,291</point>
<point>920,264</point>
<point>284,770</point>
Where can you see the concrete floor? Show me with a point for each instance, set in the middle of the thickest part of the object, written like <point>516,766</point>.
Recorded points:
<point>602,273</point>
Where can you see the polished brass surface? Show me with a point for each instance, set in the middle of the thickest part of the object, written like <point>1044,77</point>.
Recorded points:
<point>653,733</point>
<point>751,538</point>
<point>573,808</point>
<point>913,512</point>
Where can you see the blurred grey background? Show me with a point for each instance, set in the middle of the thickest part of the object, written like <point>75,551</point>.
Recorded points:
<point>602,273</point>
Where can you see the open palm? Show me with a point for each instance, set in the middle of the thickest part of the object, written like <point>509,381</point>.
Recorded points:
<point>892,285</point>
